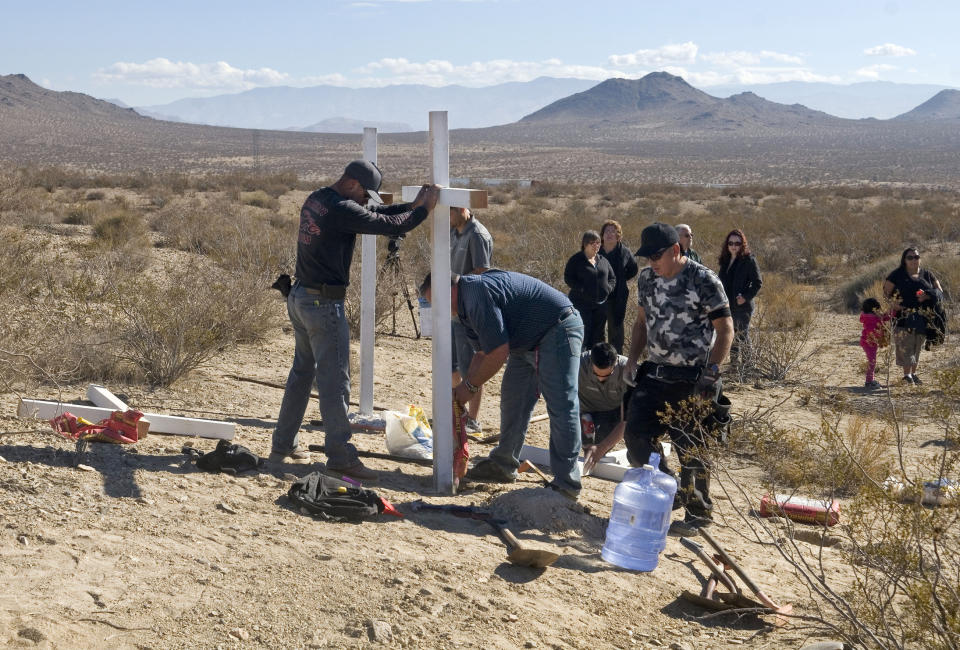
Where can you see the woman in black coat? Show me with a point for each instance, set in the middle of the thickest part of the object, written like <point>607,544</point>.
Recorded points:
<point>741,280</point>
<point>914,294</point>
<point>625,269</point>
<point>591,281</point>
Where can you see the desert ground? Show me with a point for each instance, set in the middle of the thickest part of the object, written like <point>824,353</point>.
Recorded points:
<point>139,549</point>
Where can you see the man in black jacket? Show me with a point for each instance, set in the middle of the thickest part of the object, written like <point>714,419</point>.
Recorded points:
<point>330,220</point>
<point>625,269</point>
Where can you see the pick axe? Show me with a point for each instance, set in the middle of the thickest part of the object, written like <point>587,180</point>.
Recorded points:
<point>527,465</point>
<point>517,553</point>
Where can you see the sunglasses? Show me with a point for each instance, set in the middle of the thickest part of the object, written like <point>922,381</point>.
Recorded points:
<point>736,244</point>
<point>656,256</point>
<point>912,257</point>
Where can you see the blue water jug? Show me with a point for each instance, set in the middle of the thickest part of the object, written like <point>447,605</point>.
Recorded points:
<point>640,518</point>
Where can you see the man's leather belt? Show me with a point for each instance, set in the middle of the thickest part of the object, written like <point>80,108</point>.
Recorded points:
<point>669,373</point>
<point>331,291</point>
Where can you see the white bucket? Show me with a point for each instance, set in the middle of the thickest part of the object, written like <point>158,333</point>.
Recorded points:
<point>426,318</point>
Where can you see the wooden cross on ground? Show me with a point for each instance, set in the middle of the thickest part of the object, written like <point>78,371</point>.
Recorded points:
<point>440,306</point>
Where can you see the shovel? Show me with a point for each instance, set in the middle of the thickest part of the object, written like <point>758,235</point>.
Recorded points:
<point>523,555</point>
<point>527,465</point>
<point>517,553</point>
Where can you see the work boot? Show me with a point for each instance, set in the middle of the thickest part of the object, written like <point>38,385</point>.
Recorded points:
<point>355,470</point>
<point>297,456</point>
<point>488,471</point>
<point>690,525</point>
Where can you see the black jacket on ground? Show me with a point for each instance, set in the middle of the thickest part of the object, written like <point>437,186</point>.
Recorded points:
<point>590,285</point>
<point>742,278</point>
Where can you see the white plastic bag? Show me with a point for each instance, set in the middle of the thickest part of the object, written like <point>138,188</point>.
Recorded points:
<point>408,437</point>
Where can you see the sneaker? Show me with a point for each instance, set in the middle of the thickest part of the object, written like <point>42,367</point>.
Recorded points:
<point>873,384</point>
<point>473,426</point>
<point>908,380</point>
<point>689,526</point>
<point>357,470</point>
<point>297,456</point>
<point>488,471</point>
<point>916,380</point>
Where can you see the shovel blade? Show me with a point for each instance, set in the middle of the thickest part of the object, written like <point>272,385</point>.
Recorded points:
<point>532,557</point>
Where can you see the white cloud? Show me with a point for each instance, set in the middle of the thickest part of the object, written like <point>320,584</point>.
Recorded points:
<point>741,58</point>
<point>479,73</point>
<point>163,73</point>
<point>889,49</point>
<point>874,71</point>
<point>673,54</point>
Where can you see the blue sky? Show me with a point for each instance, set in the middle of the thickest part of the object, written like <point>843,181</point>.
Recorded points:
<point>151,52</point>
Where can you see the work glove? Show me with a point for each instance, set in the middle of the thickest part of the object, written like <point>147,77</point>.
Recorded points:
<point>708,385</point>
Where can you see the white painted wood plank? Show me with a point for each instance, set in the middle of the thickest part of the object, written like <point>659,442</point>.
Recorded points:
<point>179,426</point>
<point>170,424</point>
<point>102,397</point>
<point>456,197</point>
<point>368,294</point>
<point>440,310</point>
<point>46,410</point>
<point>611,467</point>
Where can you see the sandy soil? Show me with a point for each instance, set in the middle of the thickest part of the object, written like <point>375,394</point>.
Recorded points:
<point>143,550</point>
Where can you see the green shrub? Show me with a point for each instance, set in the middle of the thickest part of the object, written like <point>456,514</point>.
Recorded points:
<point>260,199</point>
<point>119,229</point>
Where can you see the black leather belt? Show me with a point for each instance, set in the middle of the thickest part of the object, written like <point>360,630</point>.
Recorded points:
<point>331,291</point>
<point>669,373</point>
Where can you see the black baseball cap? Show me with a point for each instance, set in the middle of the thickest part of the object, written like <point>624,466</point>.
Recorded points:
<point>655,238</point>
<point>368,175</point>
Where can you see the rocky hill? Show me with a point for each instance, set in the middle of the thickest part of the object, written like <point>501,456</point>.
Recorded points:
<point>18,94</point>
<point>945,105</point>
<point>662,99</point>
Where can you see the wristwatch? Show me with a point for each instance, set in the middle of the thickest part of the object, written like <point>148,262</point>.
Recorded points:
<point>713,368</point>
<point>470,387</point>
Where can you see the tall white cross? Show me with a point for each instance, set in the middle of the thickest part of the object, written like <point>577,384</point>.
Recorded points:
<point>368,293</point>
<point>440,294</point>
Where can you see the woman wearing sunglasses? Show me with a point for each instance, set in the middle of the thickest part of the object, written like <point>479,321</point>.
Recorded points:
<point>741,280</point>
<point>913,293</point>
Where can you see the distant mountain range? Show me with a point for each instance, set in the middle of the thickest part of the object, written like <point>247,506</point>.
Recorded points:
<point>395,109</point>
<point>654,129</point>
<point>664,100</point>
<point>879,99</point>
<point>284,107</point>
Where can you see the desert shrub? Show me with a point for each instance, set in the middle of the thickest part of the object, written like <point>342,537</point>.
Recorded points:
<point>850,292</point>
<point>81,215</point>
<point>170,326</point>
<point>119,229</point>
<point>260,199</point>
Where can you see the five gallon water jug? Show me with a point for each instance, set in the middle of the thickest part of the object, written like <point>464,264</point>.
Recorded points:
<point>640,518</point>
<point>426,318</point>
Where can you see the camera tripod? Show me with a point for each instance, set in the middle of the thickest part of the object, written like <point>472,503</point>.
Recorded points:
<point>389,275</point>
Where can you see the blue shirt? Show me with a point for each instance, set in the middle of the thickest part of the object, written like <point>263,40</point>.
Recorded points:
<point>500,307</point>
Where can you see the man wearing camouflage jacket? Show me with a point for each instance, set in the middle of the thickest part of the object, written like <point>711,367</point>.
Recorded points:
<point>684,325</point>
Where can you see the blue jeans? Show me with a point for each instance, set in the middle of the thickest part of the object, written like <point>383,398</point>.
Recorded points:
<point>551,369</point>
<point>323,353</point>
<point>463,348</point>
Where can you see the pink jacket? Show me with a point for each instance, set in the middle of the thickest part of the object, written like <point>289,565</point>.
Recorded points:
<point>872,328</point>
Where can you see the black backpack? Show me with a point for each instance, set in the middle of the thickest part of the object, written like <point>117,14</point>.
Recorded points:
<point>334,500</point>
<point>228,458</point>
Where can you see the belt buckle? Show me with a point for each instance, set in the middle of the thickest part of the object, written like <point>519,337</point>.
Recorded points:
<point>656,373</point>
